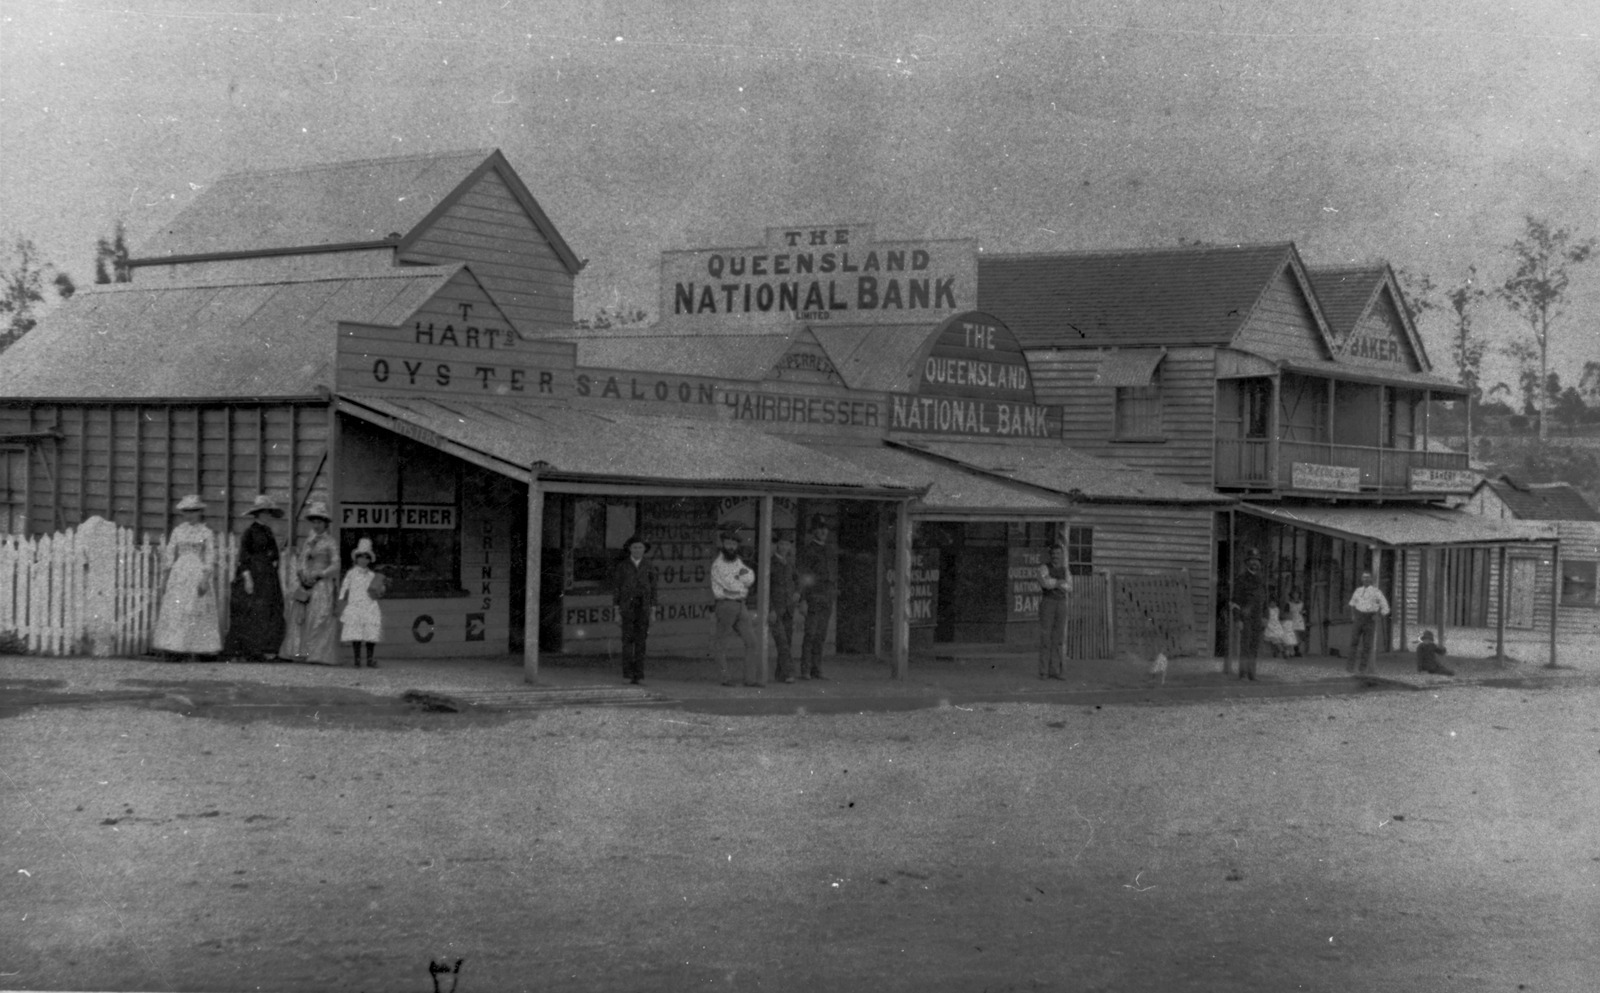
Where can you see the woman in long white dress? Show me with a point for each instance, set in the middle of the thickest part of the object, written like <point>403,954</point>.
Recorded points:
<point>313,630</point>
<point>187,625</point>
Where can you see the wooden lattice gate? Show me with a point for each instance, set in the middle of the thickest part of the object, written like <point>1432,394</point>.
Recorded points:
<point>1153,614</point>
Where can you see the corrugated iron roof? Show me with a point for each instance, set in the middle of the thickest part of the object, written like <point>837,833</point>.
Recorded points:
<point>574,442</point>
<point>304,207</point>
<point>1065,470</point>
<point>1396,526</point>
<point>1362,374</point>
<point>206,340</point>
<point>1161,296</point>
<point>1345,293</point>
<point>742,354</point>
<point>1543,501</point>
<point>876,357</point>
<point>951,487</point>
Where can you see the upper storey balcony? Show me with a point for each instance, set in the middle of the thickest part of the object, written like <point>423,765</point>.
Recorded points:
<point>1302,434</point>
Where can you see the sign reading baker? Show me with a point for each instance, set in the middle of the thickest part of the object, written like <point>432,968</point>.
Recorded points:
<point>973,379</point>
<point>834,272</point>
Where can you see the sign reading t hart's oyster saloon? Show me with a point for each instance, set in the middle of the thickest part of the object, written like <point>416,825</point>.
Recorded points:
<point>833,272</point>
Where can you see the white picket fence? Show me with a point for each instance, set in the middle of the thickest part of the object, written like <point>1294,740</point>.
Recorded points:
<point>91,590</point>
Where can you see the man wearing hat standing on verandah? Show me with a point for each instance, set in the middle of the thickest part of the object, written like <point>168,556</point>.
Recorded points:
<point>255,610</point>
<point>1250,602</point>
<point>782,595</point>
<point>1367,603</point>
<point>633,591</point>
<point>819,584</point>
<point>731,580</point>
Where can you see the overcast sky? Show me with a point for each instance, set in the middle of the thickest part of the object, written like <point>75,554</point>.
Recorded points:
<point>1415,131</point>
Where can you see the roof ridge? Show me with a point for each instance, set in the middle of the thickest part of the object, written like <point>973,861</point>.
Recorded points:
<point>399,272</point>
<point>353,163</point>
<point>1146,250</point>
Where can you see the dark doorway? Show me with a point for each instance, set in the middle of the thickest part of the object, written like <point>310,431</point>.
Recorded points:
<point>858,578</point>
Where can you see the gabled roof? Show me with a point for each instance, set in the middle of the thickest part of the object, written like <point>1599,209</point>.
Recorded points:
<point>1347,293</point>
<point>1542,501</point>
<point>342,205</point>
<point>1156,296</point>
<point>207,340</point>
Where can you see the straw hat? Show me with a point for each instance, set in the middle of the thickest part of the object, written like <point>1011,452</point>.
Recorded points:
<point>263,504</point>
<point>364,547</point>
<point>192,502</point>
<point>317,509</point>
<point>639,538</point>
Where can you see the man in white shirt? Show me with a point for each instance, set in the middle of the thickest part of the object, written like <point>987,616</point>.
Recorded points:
<point>1366,604</point>
<point>731,580</point>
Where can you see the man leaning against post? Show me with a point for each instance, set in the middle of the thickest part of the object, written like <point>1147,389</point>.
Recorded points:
<point>731,580</point>
<point>1055,582</point>
<point>1366,604</point>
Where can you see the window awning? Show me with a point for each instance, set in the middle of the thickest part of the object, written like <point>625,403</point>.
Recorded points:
<point>1406,527</point>
<point>589,447</point>
<point>1130,367</point>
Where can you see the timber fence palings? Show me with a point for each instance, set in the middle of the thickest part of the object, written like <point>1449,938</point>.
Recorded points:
<point>65,594</point>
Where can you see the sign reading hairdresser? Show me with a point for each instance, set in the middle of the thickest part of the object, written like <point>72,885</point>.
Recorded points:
<point>833,272</point>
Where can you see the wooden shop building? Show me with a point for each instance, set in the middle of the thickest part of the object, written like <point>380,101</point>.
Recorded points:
<point>396,337</point>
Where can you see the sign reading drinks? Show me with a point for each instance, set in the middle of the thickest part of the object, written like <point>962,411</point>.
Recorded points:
<point>973,379</point>
<point>1338,478</point>
<point>823,273</point>
<point>1443,480</point>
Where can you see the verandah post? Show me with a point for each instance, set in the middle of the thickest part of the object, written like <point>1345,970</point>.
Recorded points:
<point>531,565</point>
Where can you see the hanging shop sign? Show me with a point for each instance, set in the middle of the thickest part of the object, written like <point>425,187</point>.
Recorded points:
<point>414,516</point>
<point>835,272</point>
<point>1337,478</point>
<point>1443,480</point>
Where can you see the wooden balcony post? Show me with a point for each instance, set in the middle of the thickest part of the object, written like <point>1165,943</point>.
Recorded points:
<point>1276,422</point>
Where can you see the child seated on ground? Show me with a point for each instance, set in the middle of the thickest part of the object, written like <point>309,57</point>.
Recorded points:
<point>1428,656</point>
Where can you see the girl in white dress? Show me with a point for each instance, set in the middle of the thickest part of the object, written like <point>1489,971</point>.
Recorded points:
<point>1278,634</point>
<point>1295,620</point>
<point>358,609</point>
<point>187,625</point>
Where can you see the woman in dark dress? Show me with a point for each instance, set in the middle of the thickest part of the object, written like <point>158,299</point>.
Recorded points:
<point>255,613</point>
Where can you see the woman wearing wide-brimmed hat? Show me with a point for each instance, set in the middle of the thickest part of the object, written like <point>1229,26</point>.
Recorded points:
<point>313,634</point>
<point>255,610</point>
<point>186,627</point>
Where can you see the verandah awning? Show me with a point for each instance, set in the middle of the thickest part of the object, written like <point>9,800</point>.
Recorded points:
<point>1407,527</point>
<point>599,447</point>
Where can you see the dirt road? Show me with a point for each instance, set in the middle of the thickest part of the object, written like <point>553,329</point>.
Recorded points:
<point>1414,842</point>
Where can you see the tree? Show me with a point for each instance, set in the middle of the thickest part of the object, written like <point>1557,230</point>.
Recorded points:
<point>1536,291</point>
<point>1570,408</point>
<point>1589,383</point>
<point>111,258</point>
<point>22,288</point>
<point>1468,347</point>
<point>1526,357</point>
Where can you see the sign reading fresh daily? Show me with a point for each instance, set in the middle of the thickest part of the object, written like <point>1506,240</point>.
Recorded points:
<point>832,272</point>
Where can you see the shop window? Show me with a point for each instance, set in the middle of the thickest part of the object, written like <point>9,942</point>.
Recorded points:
<point>599,527</point>
<point>404,497</point>
<point>1138,413</point>
<point>1577,583</point>
<point>1080,551</point>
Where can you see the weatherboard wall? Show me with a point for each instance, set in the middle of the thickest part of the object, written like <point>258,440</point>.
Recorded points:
<point>129,462</point>
<point>487,228</point>
<point>1088,416</point>
<point>1283,325</point>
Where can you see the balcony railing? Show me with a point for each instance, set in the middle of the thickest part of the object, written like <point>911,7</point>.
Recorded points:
<point>1247,463</point>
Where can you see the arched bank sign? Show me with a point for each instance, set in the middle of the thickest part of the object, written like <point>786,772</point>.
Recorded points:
<point>973,380</point>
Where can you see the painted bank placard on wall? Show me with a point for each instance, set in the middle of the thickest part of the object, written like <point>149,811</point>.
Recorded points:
<point>834,272</point>
<point>973,380</point>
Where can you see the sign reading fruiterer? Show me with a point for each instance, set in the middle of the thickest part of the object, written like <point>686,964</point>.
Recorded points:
<point>1443,480</point>
<point>973,380</point>
<point>834,272</point>
<point>1338,478</point>
<point>411,516</point>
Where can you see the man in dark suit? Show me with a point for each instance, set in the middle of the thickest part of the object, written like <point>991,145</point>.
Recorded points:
<point>633,590</point>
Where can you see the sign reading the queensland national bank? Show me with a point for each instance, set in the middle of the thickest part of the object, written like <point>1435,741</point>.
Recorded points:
<point>815,273</point>
<point>973,379</point>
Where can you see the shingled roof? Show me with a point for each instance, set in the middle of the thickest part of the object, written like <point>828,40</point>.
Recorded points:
<point>263,339</point>
<point>364,203</point>
<point>1158,296</point>
<point>1542,501</point>
<point>1346,292</point>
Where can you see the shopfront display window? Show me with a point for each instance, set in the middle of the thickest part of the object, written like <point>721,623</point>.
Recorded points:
<point>405,498</point>
<point>1577,583</point>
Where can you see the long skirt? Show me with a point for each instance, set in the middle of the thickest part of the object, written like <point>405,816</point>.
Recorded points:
<point>187,623</point>
<point>313,634</point>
